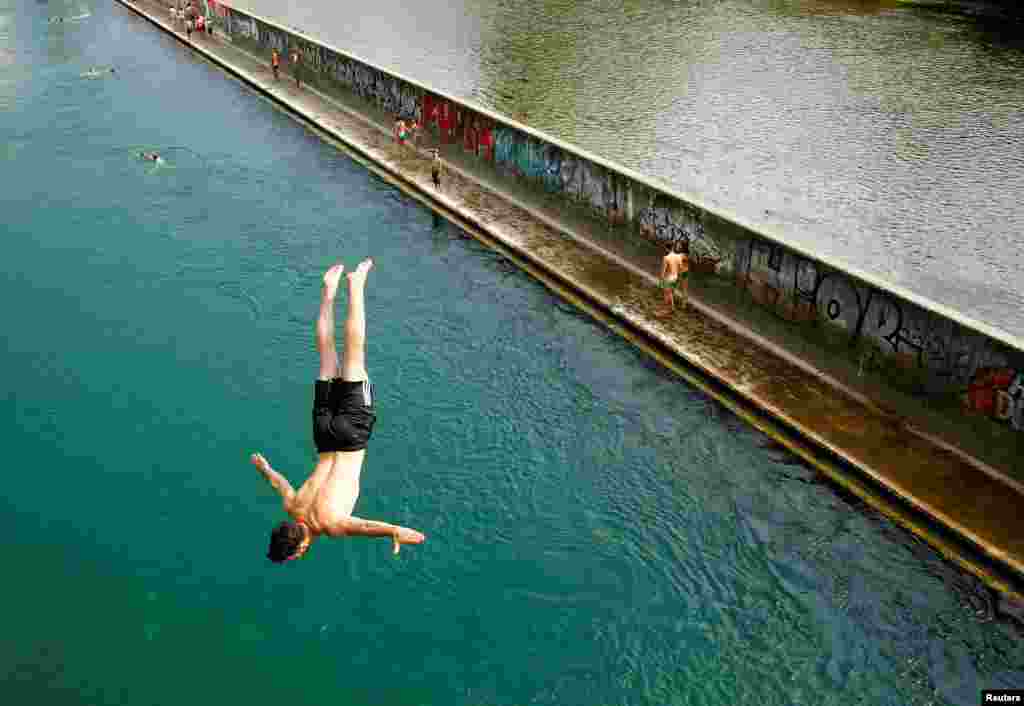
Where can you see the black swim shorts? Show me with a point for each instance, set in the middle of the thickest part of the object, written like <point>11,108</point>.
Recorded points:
<point>343,415</point>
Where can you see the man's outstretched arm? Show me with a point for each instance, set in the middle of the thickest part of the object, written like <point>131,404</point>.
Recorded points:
<point>358,527</point>
<point>280,483</point>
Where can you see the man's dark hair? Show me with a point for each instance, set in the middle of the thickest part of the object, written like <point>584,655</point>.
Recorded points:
<point>682,246</point>
<point>285,540</point>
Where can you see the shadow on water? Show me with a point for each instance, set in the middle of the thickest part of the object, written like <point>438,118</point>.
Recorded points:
<point>811,8</point>
<point>1003,35</point>
<point>983,10</point>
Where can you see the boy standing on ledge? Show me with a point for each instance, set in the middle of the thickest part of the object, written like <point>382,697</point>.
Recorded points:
<point>675,270</point>
<point>436,168</point>
<point>295,67</point>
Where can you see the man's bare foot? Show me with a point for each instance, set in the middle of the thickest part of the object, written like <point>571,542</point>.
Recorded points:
<point>359,275</point>
<point>331,279</point>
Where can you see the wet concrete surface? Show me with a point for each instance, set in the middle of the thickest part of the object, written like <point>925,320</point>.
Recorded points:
<point>878,434</point>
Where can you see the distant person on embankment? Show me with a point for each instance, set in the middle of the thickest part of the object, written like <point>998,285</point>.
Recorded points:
<point>275,63</point>
<point>675,271</point>
<point>436,168</point>
<point>343,418</point>
<point>295,67</point>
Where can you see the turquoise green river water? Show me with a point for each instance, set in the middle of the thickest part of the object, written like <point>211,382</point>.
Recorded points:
<point>598,532</point>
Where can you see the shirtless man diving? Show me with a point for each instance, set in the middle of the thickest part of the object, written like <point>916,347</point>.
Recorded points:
<point>675,271</point>
<point>343,418</point>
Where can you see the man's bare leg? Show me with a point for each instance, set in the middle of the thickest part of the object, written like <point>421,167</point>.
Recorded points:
<point>354,357</point>
<point>325,324</point>
<point>667,305</point>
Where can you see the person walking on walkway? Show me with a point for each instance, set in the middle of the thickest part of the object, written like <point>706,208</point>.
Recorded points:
<point>343,419</point>
<point>675,270</point>
<point>295,67</point>
<point>275,63</point>
<point>436,168</point>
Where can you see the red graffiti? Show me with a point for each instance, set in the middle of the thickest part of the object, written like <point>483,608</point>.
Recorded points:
<point>997,393</point>
<point>486,143</point>
<point>430,109</point>
<point>447,121</point>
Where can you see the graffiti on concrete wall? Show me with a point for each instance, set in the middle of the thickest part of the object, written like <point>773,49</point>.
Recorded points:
<point>273,38</point>
<point>882,328</point>
<point>242,25</point>
<point>560,171</point>
<point>997,393</point>
<point>360,78</point>
<point>310,54</point>
<point>386,92</point>
<point>474,131</point>
<point>670,222</point>
<point>401,98</point>
<point>804,291</point>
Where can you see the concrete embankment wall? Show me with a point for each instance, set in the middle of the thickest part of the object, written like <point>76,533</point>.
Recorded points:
<point>917,346</point>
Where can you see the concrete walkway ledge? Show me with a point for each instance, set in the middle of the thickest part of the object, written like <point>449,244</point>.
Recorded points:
<point>965,511</point>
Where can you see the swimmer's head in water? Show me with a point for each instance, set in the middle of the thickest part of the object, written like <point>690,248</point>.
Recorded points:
<point>289,540</point>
